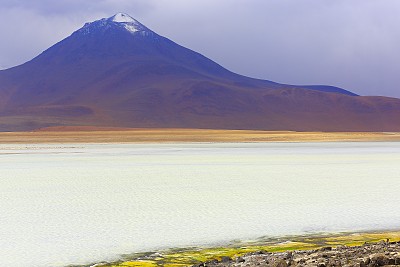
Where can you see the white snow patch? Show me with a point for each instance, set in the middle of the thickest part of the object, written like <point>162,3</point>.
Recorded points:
<point>122,17</point>
<point>129,23</point>
<point>131,28</point>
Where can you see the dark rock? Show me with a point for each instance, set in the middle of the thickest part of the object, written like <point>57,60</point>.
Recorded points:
<point>397,260</point>
<point>211,263</point>
<point>325,249</point>
<point>240,260</point>
<point>225,259</point>
<point>280,263</point>
<point>288,255</point>
<point>302,260</point>
<point>379,260</point>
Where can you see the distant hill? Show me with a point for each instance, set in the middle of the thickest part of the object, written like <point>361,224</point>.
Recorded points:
<point>115,72</point>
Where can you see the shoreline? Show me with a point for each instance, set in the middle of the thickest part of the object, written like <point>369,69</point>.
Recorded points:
<point>140,135</point>
<point>236,253</point>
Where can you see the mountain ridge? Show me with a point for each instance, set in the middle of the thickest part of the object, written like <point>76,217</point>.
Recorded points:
<point>116,72</point>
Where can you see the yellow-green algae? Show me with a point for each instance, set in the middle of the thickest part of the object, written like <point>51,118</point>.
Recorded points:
<point>189,256</point>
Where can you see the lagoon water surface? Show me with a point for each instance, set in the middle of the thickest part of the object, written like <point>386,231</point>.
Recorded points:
<point>64,204</point>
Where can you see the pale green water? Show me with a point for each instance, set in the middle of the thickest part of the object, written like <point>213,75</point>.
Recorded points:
<point>62,204</point>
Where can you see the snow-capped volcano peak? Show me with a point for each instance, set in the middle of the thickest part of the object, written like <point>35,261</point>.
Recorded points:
<point>122,17</point>
<point>129,23</point>
<point>118,21</point>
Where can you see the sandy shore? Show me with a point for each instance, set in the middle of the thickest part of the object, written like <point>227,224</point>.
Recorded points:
<point>118,135</point>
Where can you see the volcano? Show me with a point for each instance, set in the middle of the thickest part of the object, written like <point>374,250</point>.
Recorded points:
<point>116,72</point>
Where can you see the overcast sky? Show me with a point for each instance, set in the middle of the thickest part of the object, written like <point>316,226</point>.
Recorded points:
<point>354,44</point>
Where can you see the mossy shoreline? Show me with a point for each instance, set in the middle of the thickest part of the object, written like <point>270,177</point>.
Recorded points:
<point>177,257</point>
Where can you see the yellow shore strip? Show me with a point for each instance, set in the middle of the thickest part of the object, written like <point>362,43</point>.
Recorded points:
<point>188,135</point>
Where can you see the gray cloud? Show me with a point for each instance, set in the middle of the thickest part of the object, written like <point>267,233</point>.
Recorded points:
<point>347,43</point>
<point>68,7</point>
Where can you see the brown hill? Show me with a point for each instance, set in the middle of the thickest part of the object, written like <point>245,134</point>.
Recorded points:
<point>115,72</point>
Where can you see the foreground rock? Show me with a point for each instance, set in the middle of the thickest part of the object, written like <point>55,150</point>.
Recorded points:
<point>367,255</point>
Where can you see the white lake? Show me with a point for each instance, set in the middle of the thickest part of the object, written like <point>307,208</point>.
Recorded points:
<point>70,204</point>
